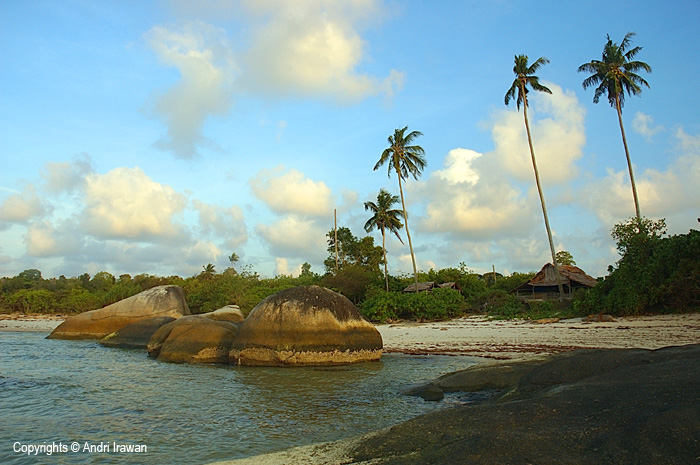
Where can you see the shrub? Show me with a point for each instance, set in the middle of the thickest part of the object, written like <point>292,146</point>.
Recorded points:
<point>438,304</point>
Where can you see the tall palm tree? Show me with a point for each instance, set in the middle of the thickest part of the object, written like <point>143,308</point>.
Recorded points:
<point>404,159</point>
<point>524,77</point>
<point>615,74</point>
<point>383,218</point>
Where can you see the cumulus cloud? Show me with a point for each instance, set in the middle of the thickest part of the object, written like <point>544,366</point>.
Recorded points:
<point>312,48</point>
<point>644,125</point>
<point>223,222</point>
<point>557,128</point>
<point>296,237</point>
<point>670,193</point>
<point>22,207</point>
<point>291,192</point>
<point>466,198</point>
<point>125,203</point>
<point>67,176</point>
<point>204,59</point>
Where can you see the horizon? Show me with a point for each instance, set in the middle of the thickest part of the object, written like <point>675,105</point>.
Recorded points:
<point>167,135</point>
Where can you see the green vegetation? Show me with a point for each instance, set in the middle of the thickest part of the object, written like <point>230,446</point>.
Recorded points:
<point>655,274</point>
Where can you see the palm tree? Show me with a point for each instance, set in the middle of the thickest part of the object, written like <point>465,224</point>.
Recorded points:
<point>524,77</point>
<point>615,74</point>
<point>404,159</point>
<point>383,218</point>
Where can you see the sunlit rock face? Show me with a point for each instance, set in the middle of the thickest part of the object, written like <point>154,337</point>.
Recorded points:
<point>306,325</point>
<point>96,324</point>
<point>230,313</point>
<point>193,339</point>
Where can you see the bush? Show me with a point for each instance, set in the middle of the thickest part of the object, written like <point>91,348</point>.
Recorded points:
<point>438,304</point>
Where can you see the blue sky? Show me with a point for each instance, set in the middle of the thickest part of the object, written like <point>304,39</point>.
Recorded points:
<point>156,137</point>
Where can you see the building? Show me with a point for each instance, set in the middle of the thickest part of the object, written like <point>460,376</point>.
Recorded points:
<point>544,284</point>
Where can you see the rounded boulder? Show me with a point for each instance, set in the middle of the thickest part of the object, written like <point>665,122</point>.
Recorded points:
<point>193,339</point>
<point>96,324</point>
<point>305,325</point>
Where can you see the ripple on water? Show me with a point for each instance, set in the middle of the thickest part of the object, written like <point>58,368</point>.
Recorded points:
<point>55,390</point>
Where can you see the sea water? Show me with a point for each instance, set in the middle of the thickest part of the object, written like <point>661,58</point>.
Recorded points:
<point>78,402</point>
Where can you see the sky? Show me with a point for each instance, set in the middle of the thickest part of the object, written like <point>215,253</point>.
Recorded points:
<point>159,136</point>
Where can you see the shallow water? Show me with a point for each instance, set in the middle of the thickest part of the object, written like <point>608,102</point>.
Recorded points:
<point>65,392</point>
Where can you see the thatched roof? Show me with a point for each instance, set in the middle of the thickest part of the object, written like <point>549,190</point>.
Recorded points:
<point>421,287</point>
<point>570,275</point>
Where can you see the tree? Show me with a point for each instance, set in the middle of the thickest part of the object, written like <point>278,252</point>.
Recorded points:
<point>404,159</point>
<point>352,251</point>
<point>565,258</point>
<point>383,218</point>
<point>209,271</point>
<point>524,77</point>
<point>233,258</point>
<point>614,75</point>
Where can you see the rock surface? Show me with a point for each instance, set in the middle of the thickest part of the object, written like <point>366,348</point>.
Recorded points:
<point>230,313</point>
<point>193,339</point>
<point>136,335</point>
<point>306,325</point>
<point>629,406</point>
<point>96,324</point>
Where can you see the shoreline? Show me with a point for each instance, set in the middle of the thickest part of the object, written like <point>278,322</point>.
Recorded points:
<point>480,336</point>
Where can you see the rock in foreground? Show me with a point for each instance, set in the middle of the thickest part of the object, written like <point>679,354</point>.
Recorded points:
<point>306,325</point>
<point>96,324</point>
<point>585,407</point>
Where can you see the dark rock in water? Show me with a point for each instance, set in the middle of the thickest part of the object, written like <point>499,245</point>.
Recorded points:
<point>193,339</point>
<point>584,407</point>
<point>96,324</point>
<point>306,325</point>
<point>136,335</point>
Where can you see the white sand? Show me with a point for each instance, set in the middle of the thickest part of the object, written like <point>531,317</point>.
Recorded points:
<point>508,339</point>
<point>36,323</point>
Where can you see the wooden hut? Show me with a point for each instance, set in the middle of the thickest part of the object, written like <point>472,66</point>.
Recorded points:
<point>544,284</point>
<point>429,286</point>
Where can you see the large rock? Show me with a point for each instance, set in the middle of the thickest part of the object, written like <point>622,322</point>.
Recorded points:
<point>193,339</point>
<point>306,325</point>
<point>621,406</point>
<point>136,335</point>
<point>96,324</point>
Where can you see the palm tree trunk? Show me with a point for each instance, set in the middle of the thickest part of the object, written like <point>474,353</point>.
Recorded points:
<point>408,234</point>
<point>629,161</point>
<point>386,266</point>
<point>544,208</point>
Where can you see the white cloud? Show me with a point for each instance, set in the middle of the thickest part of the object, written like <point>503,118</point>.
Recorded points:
<point>125,203</point>
<point>222,222</point>
<point>204,59</point>
<point>40,240</point>
<point>557,128</point>
<point>20,208</point>
<point>297,237</point>
<point>291,192</point>
<point>643,124</point>
<point>671,193</point>
<point>312,48</point>
<point>67,176</point>
<point>471,197</point>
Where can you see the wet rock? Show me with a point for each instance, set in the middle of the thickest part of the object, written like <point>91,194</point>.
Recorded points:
<point>96,324</point>
<point>136,335</point>
<point>306,325</point>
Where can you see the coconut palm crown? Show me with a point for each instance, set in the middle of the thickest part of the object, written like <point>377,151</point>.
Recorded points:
<point>384,218</point>
<point>405,159</point>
